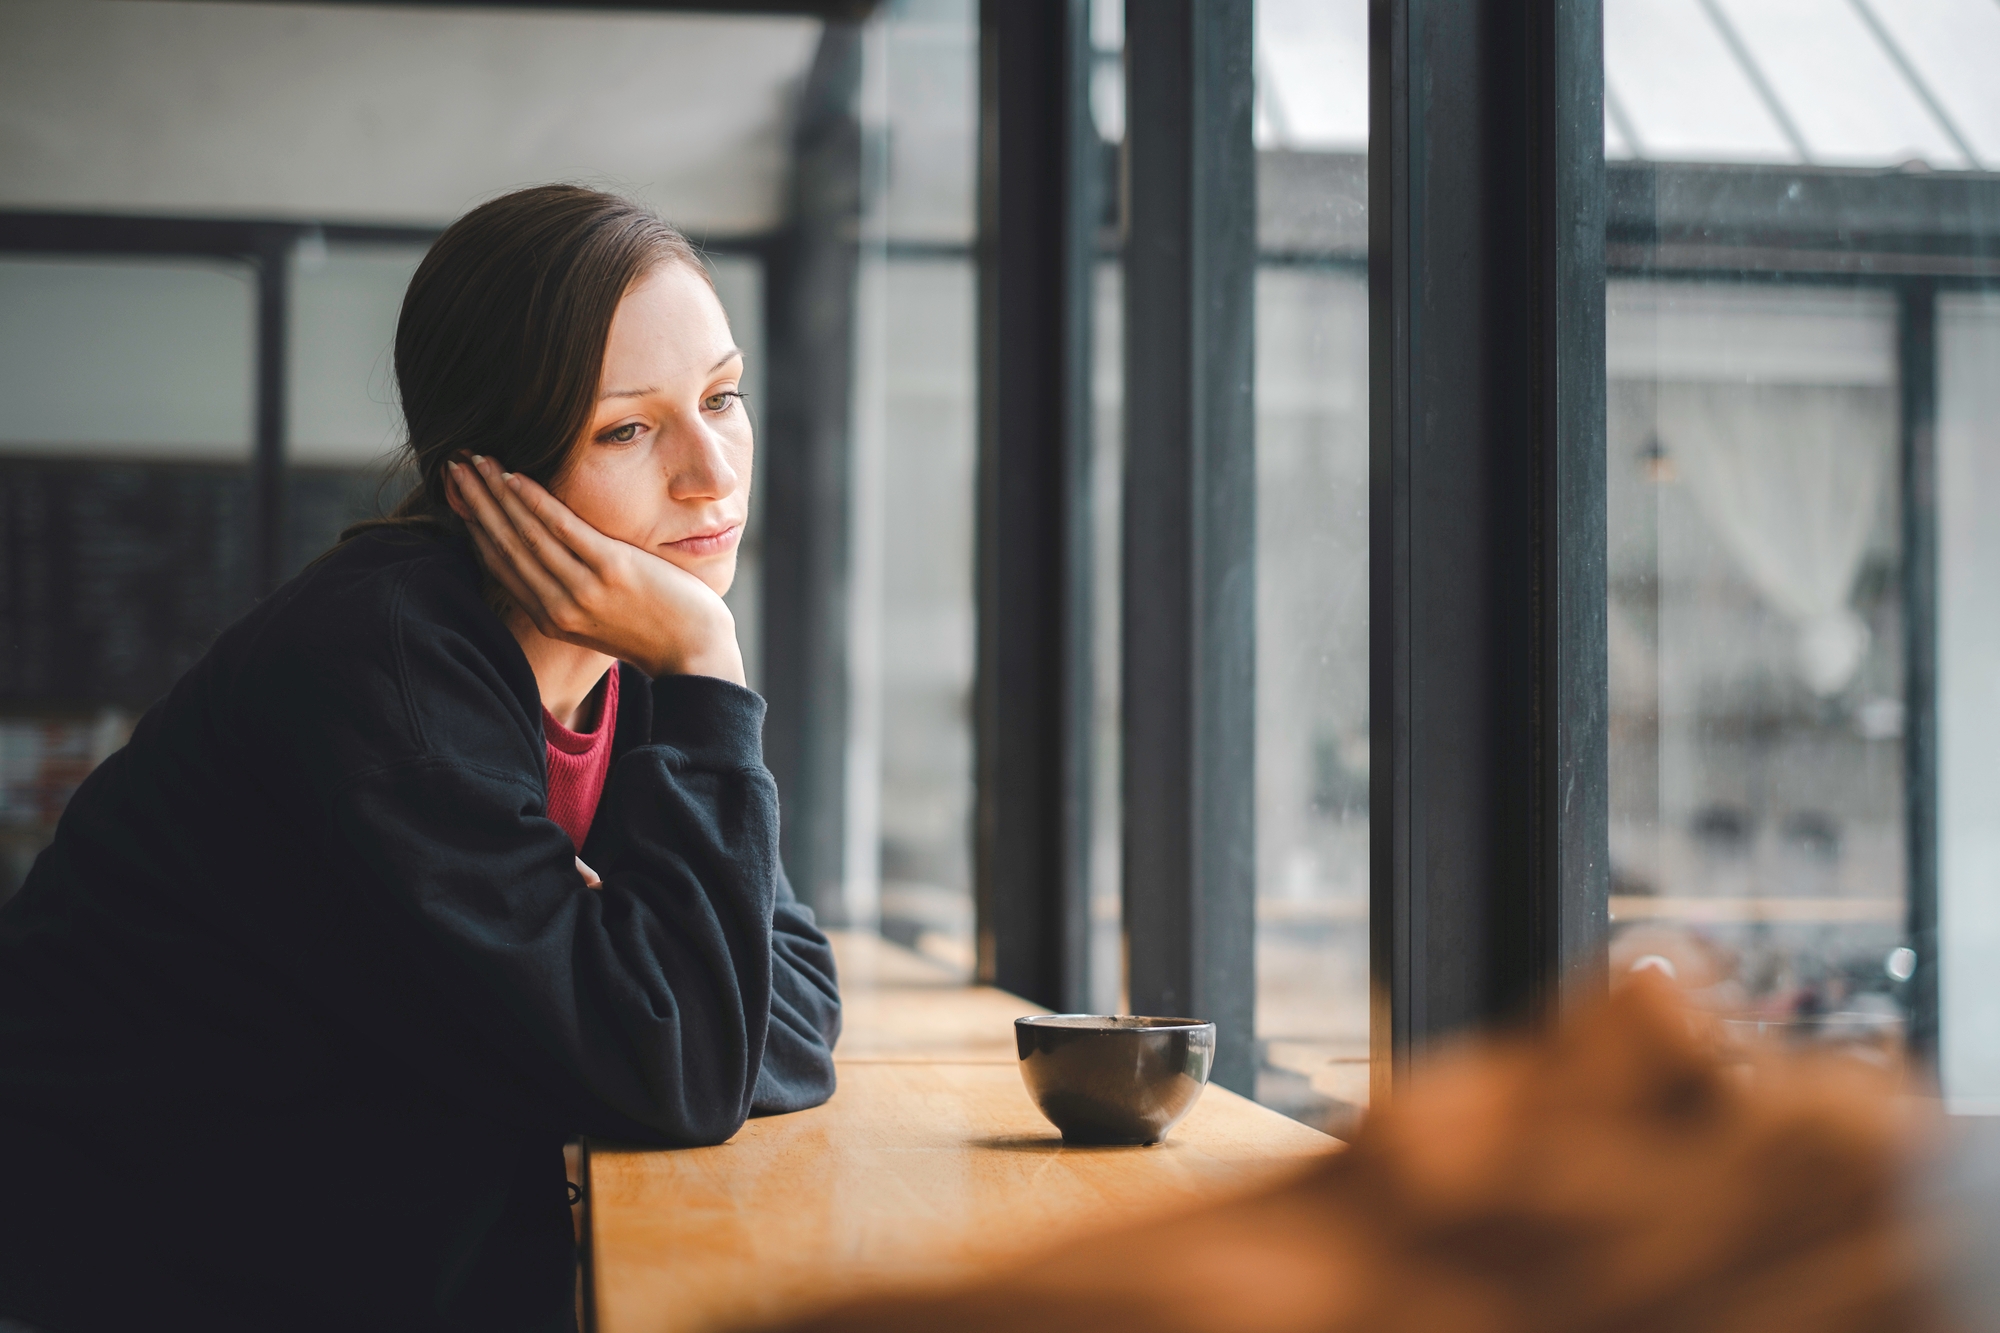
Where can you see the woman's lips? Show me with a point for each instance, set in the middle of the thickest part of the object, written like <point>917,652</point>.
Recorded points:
<point>713,542</point>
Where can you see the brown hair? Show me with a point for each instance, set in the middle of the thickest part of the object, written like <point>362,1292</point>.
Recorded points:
<point>501,339</point>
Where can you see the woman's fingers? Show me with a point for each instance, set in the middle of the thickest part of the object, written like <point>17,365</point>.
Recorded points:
<point>571,585</point>
<point>517,552</point>
<point>590,878</point>
<point>574,596</point>
<point>573,590</point>
<point>500,549</point>
<point>554,552</point>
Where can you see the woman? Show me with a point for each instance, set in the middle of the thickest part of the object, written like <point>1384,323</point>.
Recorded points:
<point>457,846</point>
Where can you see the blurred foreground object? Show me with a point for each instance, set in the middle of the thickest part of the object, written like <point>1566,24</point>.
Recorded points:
<point>1623,1175</point>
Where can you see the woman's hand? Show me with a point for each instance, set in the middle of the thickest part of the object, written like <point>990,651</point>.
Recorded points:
<point>579,586</point>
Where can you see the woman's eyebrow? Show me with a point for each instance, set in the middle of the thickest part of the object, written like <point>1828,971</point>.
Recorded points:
<point>650,389</point>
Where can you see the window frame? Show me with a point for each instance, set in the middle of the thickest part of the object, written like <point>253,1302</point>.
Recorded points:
<point>1489,810</point>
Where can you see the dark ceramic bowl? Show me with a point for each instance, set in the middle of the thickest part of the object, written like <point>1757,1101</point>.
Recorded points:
<point>1114,1080</point>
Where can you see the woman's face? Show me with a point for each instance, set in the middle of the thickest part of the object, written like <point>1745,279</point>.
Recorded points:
<point>665,464</point>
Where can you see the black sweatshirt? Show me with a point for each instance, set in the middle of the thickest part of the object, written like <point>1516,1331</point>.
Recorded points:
<point>299,1007</point>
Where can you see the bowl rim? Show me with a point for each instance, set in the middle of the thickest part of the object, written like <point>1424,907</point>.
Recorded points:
<point>1151,1023</point>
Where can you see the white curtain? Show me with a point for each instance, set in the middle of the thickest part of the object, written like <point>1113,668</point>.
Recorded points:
<point>1790,478</point>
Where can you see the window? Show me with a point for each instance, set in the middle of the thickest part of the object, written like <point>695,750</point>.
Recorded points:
<point>1755,643</point>
<point>1796,352</point>
<point>125,395</point>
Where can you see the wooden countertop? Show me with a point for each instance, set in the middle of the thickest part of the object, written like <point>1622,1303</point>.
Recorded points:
<point>929,1164</point>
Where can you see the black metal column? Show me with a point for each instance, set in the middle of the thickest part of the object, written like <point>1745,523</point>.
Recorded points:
<point>1189,538</point>
<point>267,461</point>
<point>1487,542</point>
<point>1038,211</point>
<point>1919,379</point>
<point>809,314</point>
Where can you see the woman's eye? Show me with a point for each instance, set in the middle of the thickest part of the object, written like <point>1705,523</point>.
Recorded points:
<point>720,402</point>
<point>624,434</point>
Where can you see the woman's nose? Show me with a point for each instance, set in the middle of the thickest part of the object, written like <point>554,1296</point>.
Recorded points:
<point>700,468</point>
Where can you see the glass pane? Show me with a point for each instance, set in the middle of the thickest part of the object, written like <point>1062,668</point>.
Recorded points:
<point>342,337</point>
<point>1108,990</point>
<point>912,656</point>
<point>1755,641</point>
<point>1968,697</point>
<point>927,629</point>
<point>343,426</point>
<point>126,358</point>
<point>1312,561</point>
<point>1788,340</point>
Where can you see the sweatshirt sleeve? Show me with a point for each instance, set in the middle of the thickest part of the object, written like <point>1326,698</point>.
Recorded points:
<point>805,1012</point>
<point>664,1007</point>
